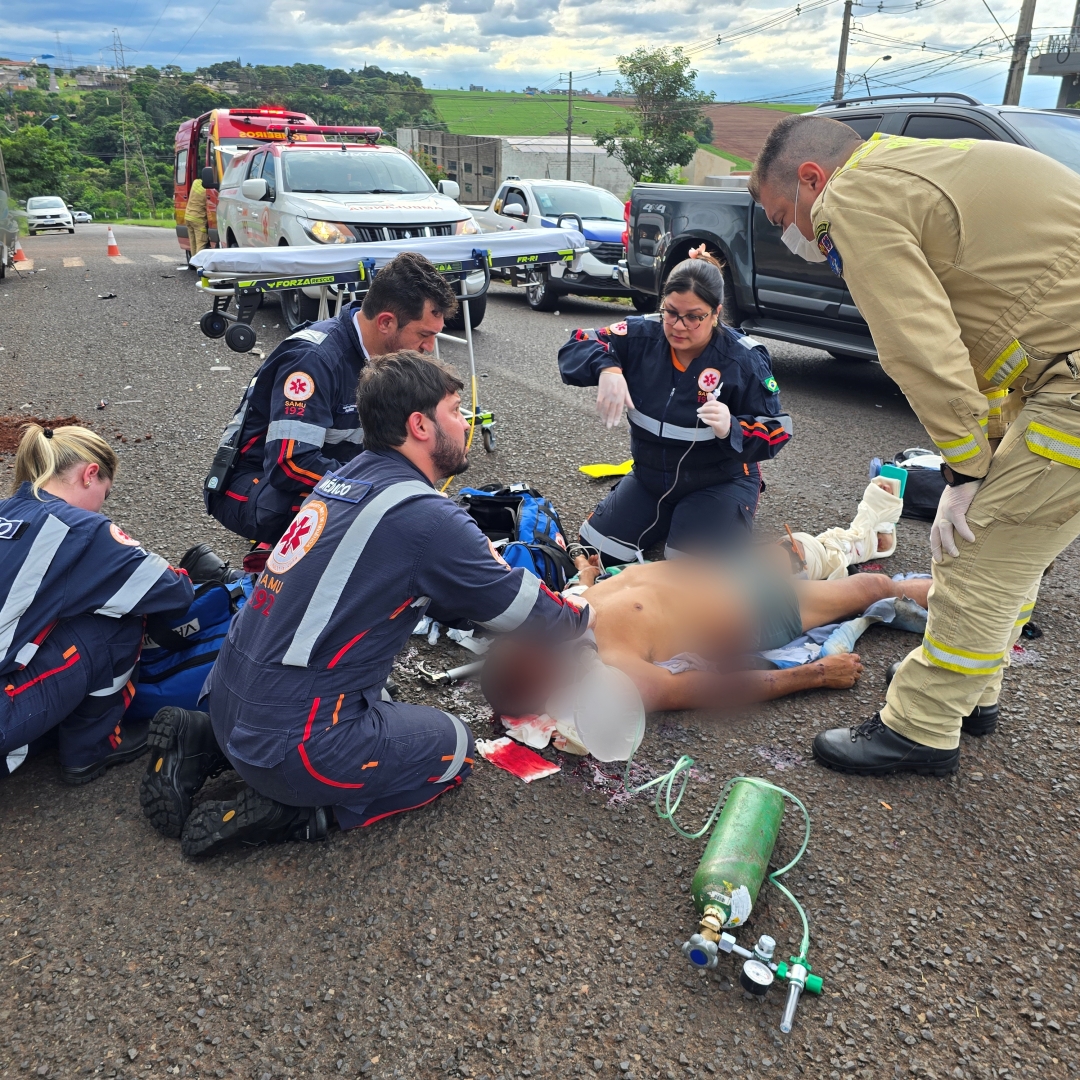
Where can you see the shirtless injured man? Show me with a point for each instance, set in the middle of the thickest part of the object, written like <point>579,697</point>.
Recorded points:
<point>691,632</point>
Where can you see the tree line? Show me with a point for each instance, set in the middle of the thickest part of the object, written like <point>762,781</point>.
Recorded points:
<point>73,143</point>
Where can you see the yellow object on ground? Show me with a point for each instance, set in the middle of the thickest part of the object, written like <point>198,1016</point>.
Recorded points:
<point>1025,514</point>
<point>598,472</point>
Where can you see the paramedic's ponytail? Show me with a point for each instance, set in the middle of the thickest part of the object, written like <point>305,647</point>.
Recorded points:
<point>46,453</point>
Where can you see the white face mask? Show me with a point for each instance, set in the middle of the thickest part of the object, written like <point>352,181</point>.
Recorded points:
<point>796,243</point>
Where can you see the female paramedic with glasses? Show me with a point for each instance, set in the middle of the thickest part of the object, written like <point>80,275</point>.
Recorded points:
<point>704,410</point>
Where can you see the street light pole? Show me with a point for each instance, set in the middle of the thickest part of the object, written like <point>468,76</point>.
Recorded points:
<point>1021,44</point>
<point>569,121</point>
<point>841,59</point>
<point>867,72</point>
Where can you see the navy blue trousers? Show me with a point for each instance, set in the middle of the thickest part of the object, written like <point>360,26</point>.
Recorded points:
<point>365,758</point>
<point>79,682</point>
<point>702,521</point>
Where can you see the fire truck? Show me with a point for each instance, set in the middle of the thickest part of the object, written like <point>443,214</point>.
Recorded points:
<point>205,146</point>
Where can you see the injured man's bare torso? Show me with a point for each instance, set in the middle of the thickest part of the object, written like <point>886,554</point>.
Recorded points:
<point>724,613</point>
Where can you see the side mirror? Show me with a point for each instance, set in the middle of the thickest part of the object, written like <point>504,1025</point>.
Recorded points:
<point>449,188</point>
<point>515,209</point>
<point>209,180</point>
<point>254,189</point>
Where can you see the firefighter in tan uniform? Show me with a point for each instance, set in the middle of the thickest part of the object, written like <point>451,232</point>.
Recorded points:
<point>964,259</point>
<point>195,218</point>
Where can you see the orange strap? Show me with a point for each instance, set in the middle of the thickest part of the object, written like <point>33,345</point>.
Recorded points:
<point>675,361</point>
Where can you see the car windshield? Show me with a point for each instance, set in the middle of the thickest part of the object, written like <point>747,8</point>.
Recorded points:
<point>48,202</point>
<point>355,172</point>
<point>1055,135</point>
<point>230,153</point>
<point>586,202</point>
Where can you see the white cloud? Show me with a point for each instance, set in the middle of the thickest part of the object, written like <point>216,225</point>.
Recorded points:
<point>511,43</point>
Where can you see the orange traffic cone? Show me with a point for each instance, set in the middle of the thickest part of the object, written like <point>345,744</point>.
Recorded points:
<point>113,249</point>
<point>20,255</point>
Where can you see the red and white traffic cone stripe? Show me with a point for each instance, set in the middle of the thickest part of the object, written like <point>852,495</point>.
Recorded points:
<point>113,248</point>
<point>20,255</point>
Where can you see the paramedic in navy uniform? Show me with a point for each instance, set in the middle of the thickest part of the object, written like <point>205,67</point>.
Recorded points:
<point>704,411</point>
<point>295,697</point>
<point>73,590</point>
<point>301,405</point>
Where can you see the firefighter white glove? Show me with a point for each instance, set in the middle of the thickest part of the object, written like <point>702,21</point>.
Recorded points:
<point>612,395</point>
<point>718,416</point>
<point>952,515</point>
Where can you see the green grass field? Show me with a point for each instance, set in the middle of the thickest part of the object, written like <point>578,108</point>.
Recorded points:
<point>468,112</point>
<point>740,164</point>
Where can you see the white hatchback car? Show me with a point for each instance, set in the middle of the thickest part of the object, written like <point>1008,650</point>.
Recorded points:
<point>302,194</point>
<point>48,212</point>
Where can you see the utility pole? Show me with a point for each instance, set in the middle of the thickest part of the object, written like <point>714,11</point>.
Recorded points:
<point>118,54</point>
<point>569,121</point>
<point>841,59</point>
<point>1019,55</point>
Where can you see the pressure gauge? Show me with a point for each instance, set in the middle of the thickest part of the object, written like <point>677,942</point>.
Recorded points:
<point>756,978</point>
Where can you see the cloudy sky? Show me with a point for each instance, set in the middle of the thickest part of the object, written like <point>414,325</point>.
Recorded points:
<point>508,44</point>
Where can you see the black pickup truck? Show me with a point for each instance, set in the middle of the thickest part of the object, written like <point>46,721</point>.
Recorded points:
<point>772,293</point>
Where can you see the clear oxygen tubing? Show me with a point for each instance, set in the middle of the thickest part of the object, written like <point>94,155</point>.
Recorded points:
<point>666,809</point>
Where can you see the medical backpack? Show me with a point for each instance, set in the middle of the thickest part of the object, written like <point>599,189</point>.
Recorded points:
<point>179,652</point>
<point>527,526</point>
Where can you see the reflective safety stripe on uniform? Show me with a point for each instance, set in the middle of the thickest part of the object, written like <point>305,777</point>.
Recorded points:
<point>995,399</point>
<point>135,588</point>
<point>327,593</point>
<point>33,570</point>
<point>116,685</point>
<point>594,538</point>
<point>1007,365</point>
<point>1056,445</point>
<point>340,435</point>
<point>520,607</point>
<point>965,661</point>
<point>457,759</point>
<point>297,430</point>
<point>1025,614</point>
<point>670,431</point>
<point>959,449</point>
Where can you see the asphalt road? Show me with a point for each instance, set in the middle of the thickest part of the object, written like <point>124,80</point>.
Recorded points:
<point>514,930</point>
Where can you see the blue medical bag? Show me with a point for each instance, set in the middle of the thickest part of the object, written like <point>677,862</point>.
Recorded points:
<point>528,524</point>
<point>178,653</point>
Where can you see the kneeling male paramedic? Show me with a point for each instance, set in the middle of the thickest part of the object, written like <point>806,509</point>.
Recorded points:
<point>296,694</point>
<point>297,419</point>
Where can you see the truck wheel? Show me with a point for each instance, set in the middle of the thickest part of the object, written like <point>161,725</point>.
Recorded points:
<point>477,310</point>
<point>298,309</point>
<point>538,291</point>
<point>643,302</point>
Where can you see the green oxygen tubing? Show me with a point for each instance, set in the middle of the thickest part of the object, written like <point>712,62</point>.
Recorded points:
<point>747,817</point>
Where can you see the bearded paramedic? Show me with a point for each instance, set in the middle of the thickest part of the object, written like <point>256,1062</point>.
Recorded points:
<point>296,694</point>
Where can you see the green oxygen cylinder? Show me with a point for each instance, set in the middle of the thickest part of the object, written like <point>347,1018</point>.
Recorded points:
<point>736,858</point>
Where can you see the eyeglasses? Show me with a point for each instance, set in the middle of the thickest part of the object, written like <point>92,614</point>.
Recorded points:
<point>691,322</point>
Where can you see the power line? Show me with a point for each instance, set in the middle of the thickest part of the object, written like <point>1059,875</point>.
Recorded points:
<point>196,30</point>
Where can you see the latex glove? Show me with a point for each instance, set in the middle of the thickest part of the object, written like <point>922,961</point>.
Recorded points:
<point>952,514</point>
<point>612,395</point>
<point>718,416</point>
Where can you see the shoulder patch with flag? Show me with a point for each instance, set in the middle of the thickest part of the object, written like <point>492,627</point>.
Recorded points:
<point>771,385</point>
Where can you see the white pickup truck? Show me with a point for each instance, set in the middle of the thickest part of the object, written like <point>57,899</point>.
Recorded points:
<point>537,204</point>
<point>315,193</point>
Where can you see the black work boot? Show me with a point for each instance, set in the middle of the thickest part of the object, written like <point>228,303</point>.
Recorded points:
<point>203,564</point>
<point>982,721</point>
<point>250,818</point>
<point>132,744</point>
<point>183,754</point>
<point>872,749</point>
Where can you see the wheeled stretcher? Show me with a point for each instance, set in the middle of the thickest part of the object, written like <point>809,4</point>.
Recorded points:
<point>244,276</point>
